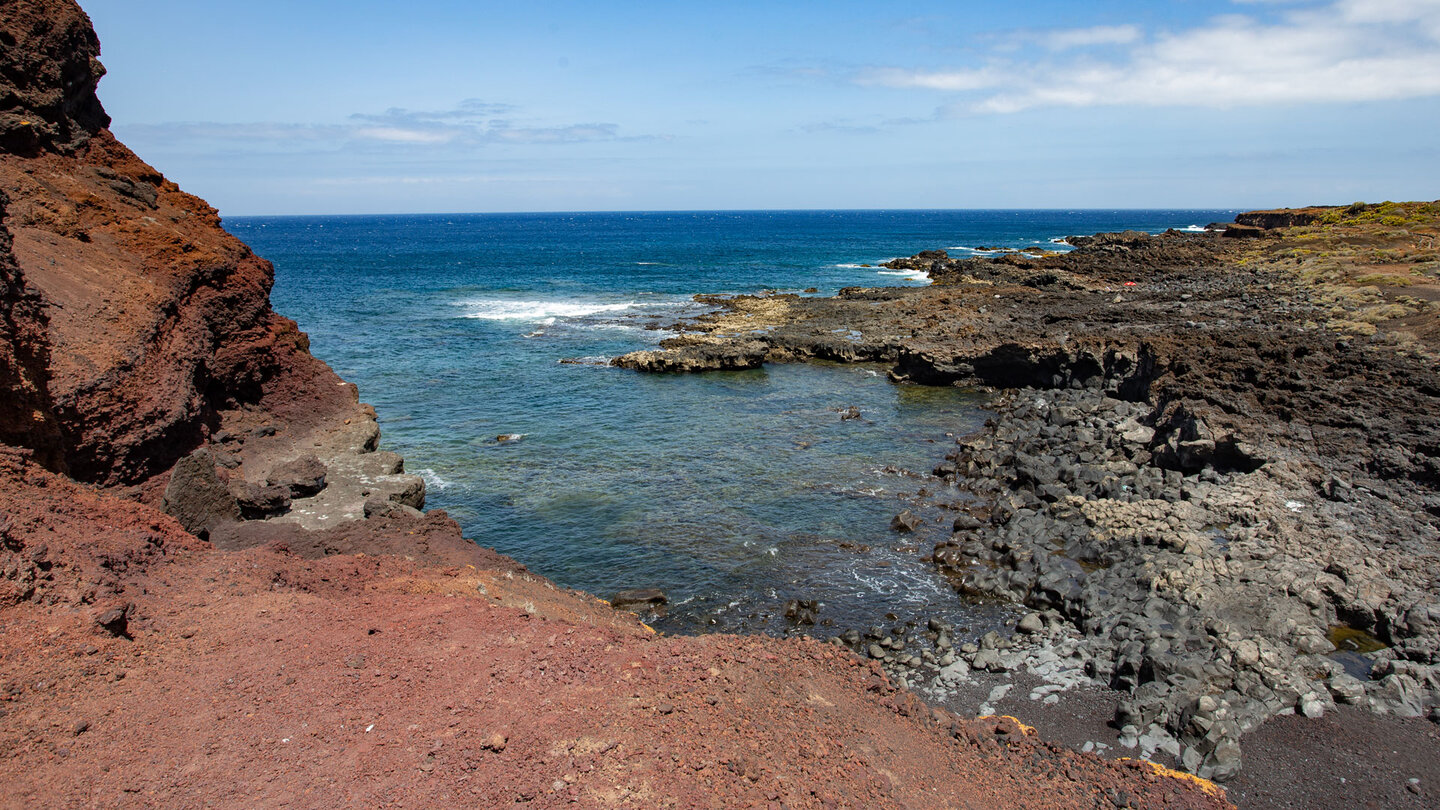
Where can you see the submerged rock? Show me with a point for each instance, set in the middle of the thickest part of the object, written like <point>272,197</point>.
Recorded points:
<point>905,522</point>
<point>641,597</point>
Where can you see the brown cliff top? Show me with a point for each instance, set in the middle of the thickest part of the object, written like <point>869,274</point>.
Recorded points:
<point>48,77</point>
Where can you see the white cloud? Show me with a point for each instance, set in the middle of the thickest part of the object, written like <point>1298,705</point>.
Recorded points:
<point>1351,50</point>
<point>398,135</point>
<point>1066,39</point>
<point>953,80</point>
<point>473,123</point>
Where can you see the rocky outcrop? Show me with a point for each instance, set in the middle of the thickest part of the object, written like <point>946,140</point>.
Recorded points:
<point>1282,218</point>
<point>692,356</point>
<point>1203,485</point>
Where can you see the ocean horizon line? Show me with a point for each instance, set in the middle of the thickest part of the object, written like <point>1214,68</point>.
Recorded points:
<point>680,211</point>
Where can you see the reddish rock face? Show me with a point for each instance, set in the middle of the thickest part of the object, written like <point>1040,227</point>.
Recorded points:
<point>129,319</point>
<point>47,84</point>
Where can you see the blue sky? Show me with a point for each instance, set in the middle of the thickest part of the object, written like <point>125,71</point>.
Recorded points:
<point>269,107</point>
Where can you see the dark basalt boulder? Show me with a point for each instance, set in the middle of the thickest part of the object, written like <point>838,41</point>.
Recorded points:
<point>302,477</point>
<point>197,497</point>
<point>639,597</point>
<point>260,501</point>
<point>1243,232</point>
<point>905,522</point>
<point>1124,239</point>
<point>801,611</point>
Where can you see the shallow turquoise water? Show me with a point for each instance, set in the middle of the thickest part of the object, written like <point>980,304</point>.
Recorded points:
<point>733,492</point>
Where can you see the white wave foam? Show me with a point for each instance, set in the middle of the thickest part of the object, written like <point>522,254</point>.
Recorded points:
<point>544,312</point>
<point>1192,228</point>
<point>912,275</point>
<point>433,481</point>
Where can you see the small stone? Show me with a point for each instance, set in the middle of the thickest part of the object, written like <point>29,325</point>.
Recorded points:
<point>905,522</point>
<point>1031,623</point>
<point>115,620</point>
<point>664,708</point>
<point>79,727</point>
<point>496,742</point>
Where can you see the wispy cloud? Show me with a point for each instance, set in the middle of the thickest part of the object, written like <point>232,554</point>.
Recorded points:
<point>473,123</point>
<point>1066,39</point>
<point>1351,50</point>
<point>949,80</point>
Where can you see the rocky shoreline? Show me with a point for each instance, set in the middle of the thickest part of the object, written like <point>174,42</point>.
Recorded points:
<point>1212,468</point>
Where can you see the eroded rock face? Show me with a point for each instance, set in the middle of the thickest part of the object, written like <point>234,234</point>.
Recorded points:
<point>129,319</point>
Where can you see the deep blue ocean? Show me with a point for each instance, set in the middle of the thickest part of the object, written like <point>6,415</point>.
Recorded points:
<point>732,492</point>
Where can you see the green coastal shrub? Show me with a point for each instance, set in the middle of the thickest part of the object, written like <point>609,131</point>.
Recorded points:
<point>1384,279</point>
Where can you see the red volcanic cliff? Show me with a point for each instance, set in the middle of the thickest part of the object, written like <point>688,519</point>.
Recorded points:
<point>133,320</point>
<point>347,651</point>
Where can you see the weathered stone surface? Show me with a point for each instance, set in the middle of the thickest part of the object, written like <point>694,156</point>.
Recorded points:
<point>301,477</point>
<point>197,497</point>
<point>259,500</point>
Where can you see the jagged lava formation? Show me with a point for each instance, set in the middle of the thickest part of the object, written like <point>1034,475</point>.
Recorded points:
<point>216,591</point>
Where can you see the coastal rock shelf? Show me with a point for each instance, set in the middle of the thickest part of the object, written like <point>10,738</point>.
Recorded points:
<point>1210,459</point>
